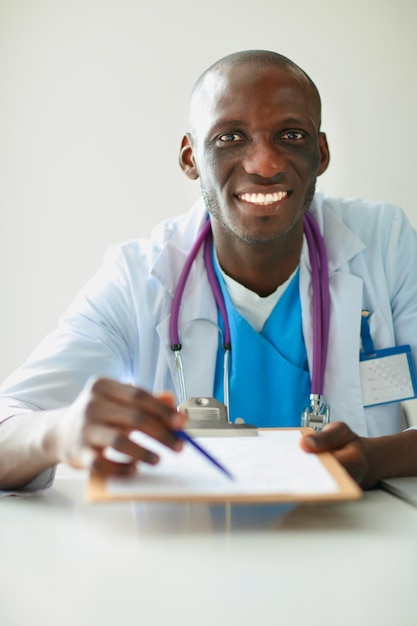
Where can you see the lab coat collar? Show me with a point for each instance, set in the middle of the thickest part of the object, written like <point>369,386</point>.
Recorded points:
<point>173,241</point>
<point>341,243</point>
<point>178,235</point>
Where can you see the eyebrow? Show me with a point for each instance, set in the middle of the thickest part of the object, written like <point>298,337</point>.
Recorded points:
<point>288,121</point>
<point>227,122</point>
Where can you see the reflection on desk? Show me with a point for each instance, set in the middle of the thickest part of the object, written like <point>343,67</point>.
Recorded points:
<point>67,562</point>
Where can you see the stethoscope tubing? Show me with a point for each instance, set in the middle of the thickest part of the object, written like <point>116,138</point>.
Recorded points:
<point>179,291</point>
<point>321,302</point>
<point>217,292</point>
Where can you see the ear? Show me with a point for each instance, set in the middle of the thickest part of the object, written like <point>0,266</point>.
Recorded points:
<point>186,157</point>
<point>324,153</point>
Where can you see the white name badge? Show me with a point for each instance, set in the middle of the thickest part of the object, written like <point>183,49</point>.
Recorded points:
<point>387,375</point>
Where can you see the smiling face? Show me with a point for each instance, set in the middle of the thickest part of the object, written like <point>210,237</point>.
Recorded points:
<point>257,148</point>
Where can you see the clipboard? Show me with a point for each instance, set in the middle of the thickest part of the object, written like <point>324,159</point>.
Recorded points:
<point>269,468</point>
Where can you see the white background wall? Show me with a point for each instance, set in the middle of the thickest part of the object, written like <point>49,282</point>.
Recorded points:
<point>93,104</point>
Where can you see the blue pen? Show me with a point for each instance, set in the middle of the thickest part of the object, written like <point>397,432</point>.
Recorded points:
<point>186,437</point>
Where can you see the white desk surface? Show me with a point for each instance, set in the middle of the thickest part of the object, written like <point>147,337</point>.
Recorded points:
<point>64,562</point>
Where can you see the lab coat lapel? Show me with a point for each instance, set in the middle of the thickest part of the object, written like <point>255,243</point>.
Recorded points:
<point>342,389</point>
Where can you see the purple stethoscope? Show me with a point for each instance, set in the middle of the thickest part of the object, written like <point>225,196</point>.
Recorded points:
<point>318,414</point>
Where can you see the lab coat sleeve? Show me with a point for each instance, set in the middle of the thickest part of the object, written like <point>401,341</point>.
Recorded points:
<point>41,482</point>
<point>96,337</point>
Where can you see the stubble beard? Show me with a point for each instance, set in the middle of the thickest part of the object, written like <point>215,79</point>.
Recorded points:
<point>216,212</point>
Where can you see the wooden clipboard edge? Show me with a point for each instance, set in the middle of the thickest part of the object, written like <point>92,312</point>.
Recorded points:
<point>348,489</point>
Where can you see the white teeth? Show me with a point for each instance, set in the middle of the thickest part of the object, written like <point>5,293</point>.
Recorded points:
<point>263,198</point>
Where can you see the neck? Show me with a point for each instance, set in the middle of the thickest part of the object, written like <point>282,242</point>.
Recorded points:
<point>261,266</point>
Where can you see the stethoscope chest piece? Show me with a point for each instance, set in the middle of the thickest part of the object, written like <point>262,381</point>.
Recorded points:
<point>317,415</point>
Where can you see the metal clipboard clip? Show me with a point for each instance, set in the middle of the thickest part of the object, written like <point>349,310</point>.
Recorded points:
<point>207,417</point>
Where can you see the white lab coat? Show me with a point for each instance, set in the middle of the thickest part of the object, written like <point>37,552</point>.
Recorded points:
<point>118,326</point>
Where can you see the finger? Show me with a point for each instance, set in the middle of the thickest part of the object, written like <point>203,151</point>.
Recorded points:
<point>353,458</point>
<point>140,400</point>
<point>123,420</point>
<point>333,437</point>
<point>101,437</point>
<point>107,467</point>
<point>91,459</point>
<point>101,410</point>
<point>132,408</point>
<point>167,397</point>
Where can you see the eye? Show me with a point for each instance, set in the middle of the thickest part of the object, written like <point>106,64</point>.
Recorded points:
<point>230,137</point>
<point>293,135</point>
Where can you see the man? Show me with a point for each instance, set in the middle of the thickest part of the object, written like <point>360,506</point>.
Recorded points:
<point>255,144</point>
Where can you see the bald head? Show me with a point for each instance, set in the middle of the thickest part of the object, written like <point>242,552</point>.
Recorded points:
<point>257,148</point>
<point>258,59</point>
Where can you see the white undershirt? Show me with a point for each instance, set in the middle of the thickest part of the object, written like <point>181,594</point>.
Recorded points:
<point>255,309</point>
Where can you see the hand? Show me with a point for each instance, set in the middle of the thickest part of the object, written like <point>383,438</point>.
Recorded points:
<point>350,450</point>
<point>104,415</point>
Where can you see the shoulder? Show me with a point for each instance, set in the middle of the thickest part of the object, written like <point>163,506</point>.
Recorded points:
<point>182,229</point>
<point>356,213</point>
<point>179,233</point>
<point>372,222</point>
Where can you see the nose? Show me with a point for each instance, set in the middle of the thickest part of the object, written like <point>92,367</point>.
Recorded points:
<point>264,158</point>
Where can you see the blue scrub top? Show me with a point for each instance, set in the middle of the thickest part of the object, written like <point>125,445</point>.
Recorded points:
<point>269,381</point>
